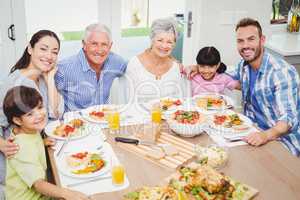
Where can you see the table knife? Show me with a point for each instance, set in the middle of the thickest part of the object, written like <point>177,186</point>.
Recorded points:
<point>134,141</point>
<point>63,145</point>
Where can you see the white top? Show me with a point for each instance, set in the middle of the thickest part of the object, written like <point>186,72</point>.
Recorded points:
<point>144,86</point>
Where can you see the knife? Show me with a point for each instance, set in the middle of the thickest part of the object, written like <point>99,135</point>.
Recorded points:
<point>235,139</point>
<point>63,145</point>
<point>134,141</point>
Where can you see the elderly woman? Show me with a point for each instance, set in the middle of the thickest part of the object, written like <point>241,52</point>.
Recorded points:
<point>155,73</point>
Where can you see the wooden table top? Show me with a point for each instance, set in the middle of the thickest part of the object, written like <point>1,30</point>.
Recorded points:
<point>270,168</point>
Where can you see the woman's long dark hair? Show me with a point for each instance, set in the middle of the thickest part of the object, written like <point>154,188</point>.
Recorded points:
<point>24,61</point>
<point>210,56</point>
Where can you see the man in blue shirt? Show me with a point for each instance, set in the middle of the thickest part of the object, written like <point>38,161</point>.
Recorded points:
<point>270,89</point>
<point>85,79</point>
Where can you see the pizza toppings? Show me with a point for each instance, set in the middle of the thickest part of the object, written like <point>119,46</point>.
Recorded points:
<point>186,117</point>
<point>167,103</point>
<point>85,162</point>
<point>211,102</point>
<point>72,128</point>
<point>228,121</point>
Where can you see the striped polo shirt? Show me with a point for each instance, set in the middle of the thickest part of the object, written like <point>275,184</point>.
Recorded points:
<point>78,83</point>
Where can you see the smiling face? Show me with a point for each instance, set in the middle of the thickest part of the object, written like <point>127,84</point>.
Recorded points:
<point>163,44</point>
<point>208,72</point>
<point>43,56</point>
<point>33,121</point>
<point>96,48</point>
<point>249,43</point>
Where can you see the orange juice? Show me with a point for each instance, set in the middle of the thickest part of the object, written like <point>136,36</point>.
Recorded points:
<point>114,120</point>
<point>156,115</point>
<point>118,174</point>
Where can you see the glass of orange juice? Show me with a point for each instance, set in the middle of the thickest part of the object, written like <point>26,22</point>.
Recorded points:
<point>114,121</point>
<point>156,114</point>
<point>118,174</point>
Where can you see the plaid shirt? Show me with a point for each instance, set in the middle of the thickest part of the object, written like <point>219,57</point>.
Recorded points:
<point>277,91</point>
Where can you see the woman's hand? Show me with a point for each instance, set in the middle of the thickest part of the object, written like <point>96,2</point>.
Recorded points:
<point>49,142</point>
<point>53,95</point>
<point>191,71</point>
<point>49,75</point>
<point>8,147</point>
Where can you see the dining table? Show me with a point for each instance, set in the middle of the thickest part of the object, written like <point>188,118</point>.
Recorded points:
<point>271,168</point>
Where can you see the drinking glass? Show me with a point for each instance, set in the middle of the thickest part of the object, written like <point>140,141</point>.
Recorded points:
<point>114,121</point>
<point>156,115</point>
<point>118,174</point>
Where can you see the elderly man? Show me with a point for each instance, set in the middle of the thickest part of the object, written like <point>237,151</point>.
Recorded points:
<point>270,89</point>
<point>85,79</point>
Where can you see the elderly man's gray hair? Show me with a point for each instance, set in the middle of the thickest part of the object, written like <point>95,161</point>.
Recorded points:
<point>164,25</point>
<point>96,28</point>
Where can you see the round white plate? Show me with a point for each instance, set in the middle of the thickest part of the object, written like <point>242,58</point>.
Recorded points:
<point>171,109</point>
<point>229,103</point>
<point>231,131</point>
<point>97,108</point>
<point>83,132</point>
<point>63,167</point>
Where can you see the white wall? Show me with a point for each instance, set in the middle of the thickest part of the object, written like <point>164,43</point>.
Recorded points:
<point>164,8</point>
<point>218,20</point>
<point>60,15</point>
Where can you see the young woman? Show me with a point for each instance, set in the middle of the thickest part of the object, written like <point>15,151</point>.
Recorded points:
<point>35,69</point>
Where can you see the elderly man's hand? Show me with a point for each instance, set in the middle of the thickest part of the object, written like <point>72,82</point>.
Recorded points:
<point>257,138</point>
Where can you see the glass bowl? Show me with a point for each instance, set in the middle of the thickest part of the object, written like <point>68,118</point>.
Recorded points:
<point>213,155</point>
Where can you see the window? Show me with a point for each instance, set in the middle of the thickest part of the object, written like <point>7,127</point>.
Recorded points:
<point>280,9</point>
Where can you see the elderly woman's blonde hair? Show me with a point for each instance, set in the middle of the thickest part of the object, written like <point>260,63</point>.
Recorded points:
<point>97,27</point>
<point>164,25</point>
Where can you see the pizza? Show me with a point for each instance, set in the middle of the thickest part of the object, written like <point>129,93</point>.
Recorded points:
<point>72,128</point>
<point>167,103</point>
<point>211,102</point>
<point>100,114</point>
<point>231,121</point>
<point>85,162</point>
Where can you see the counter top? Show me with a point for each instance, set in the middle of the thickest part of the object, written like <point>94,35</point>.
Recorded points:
<point>284,43</point>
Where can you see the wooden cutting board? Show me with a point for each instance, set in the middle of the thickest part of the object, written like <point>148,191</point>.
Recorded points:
<point>185,151</point>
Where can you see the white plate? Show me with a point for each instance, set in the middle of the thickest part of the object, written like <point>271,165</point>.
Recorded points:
<point>63,167</point>
<point>83,132</point>
<point>171,109</point>
<point>86,113</point>
<point>231,132</point>
<point>228,100</point>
